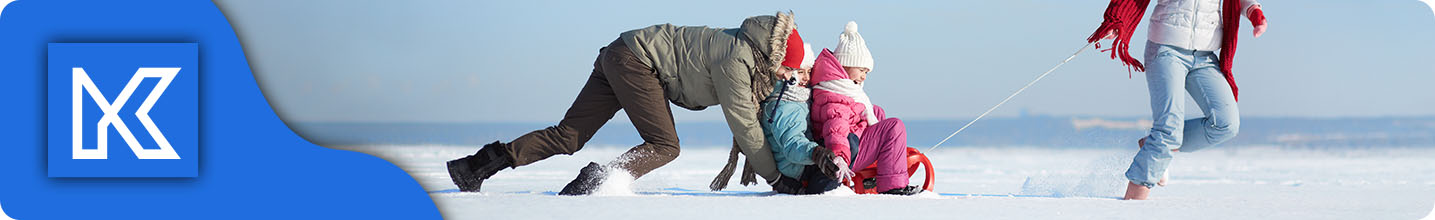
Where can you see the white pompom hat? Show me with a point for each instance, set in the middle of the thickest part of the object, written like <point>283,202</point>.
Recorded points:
<point>852,49</point>
<point>809,58</point>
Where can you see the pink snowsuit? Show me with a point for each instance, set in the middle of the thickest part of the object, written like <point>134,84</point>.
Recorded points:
<point>837,115</point>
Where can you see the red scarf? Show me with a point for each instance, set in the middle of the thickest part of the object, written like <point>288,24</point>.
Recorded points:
<point>1123,16</point>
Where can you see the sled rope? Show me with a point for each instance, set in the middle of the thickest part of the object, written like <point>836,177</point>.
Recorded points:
<point>1008,98</point>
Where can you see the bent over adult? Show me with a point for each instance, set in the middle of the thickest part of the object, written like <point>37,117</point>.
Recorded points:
<point>693,67</point>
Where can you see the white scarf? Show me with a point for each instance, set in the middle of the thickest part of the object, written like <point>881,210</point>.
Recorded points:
<point>851,89</point>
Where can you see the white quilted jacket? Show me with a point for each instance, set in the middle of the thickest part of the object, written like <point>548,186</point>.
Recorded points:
<point>1190,24</point>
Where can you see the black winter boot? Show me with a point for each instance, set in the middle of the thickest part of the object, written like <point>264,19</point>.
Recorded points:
<point>788,185</point>
<point>469,172</point>
<point>588,180</point>
<point>905,191</point>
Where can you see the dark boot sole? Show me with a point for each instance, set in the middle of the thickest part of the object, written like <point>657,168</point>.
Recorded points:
<point>588,180</point>
<point>466,181</point>
<point>904,191</point>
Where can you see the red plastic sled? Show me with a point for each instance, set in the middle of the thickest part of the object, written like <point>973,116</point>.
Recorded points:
<point>915,159</point>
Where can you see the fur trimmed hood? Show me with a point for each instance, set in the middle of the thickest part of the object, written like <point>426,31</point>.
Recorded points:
<point>768,34</point>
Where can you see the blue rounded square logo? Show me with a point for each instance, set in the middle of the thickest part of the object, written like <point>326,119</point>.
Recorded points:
<point>123,110</point>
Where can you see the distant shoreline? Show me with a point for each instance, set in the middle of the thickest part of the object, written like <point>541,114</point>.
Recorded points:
<point>1069,131</point>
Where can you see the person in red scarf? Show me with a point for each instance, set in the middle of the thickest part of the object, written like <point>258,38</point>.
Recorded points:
<point>1181,55</point>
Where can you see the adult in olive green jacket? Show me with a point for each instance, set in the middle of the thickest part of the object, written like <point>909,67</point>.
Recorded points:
<point>693,67</point>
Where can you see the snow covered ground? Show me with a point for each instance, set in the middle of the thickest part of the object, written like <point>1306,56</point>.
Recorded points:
<point>1234,182</point>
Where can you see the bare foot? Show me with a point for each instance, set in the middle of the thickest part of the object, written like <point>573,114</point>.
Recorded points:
<point>1136,192</point>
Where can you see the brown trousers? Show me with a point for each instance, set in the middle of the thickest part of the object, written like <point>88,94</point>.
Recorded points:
<point>619,81</point>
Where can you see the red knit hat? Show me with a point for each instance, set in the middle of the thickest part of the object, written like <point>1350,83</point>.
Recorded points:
<point>793,58</point>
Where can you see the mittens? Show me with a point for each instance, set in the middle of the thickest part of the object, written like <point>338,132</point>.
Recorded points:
<point>1257,16</point>
<point>822,158</point>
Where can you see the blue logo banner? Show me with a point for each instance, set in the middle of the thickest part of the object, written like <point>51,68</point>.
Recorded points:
<point>237,159</point>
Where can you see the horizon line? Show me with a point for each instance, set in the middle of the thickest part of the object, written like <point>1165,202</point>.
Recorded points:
<point>1424,117</point>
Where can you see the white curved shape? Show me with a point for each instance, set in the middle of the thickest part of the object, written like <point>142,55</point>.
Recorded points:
<point>3,3</point>
<point>2,210</point>
<point>1430,216</point>
<point>1428,3</point>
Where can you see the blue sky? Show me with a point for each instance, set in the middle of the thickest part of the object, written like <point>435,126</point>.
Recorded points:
<point>524,61</point>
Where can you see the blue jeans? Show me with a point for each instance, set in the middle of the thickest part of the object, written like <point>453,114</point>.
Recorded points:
<point>1170,73</point>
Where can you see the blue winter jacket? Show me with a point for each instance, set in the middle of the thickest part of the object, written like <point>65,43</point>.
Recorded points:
<point>785,128</point>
